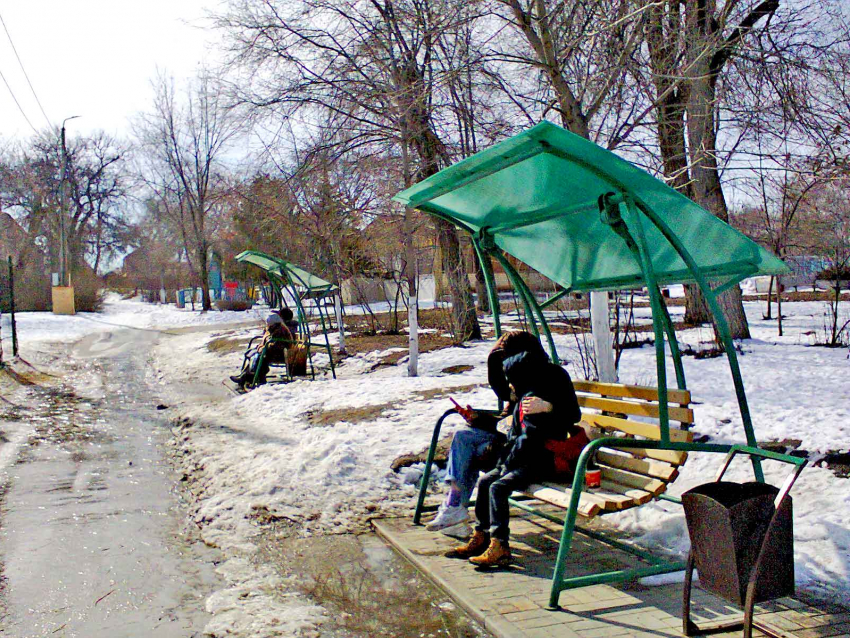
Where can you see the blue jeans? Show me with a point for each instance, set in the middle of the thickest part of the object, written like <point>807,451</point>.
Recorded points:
<point>465,459</point>
<point>492,510</point>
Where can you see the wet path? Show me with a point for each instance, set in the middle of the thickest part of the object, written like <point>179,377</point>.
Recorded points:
<point>93,539</point>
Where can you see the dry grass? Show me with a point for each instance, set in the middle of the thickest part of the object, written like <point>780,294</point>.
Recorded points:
<point>325,418</point>
<point>366,413</point>
<point>226,345</point>
<point>31,377</point>
<point>360,344</point>
<point>818,295</point>
<point>459,369</point>
<point>438,393</point>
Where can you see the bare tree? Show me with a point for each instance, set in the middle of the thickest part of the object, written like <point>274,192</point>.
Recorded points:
<point>97,183</point>
<point>826,220</point>
<point>185,142</point>
<point>364,73</point>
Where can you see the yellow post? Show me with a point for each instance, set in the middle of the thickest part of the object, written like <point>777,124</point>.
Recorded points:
<point>63,300</point>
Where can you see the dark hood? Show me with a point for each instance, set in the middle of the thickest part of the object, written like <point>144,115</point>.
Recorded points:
<point>524,371</point>
<point>514,343</point>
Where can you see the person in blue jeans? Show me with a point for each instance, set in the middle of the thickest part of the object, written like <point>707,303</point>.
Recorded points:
<point>527,457</point>
<point>476,449</point>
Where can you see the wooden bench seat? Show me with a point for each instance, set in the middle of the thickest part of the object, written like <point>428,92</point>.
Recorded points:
<point>630,476</point>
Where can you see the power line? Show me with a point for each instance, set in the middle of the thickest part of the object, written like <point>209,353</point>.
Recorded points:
<point>12,93</point>
<point>9,35</point>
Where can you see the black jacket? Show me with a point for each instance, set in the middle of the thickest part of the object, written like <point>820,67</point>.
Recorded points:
<point>534,375</point>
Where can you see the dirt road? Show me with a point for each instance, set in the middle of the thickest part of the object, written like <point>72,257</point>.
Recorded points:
<point>93,536</point>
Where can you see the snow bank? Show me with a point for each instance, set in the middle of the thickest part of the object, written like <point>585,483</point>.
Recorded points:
<point>261,450</point>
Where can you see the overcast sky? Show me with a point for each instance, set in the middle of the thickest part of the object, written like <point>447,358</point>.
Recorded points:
<point>94,58</point>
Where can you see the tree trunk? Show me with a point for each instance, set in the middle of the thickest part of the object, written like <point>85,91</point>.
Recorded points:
<point>481,287</point>
<point>464,317</point>
<point>707,188</point>
<point>206,303</point>
<point>732,305</point>
<point>410,271</point>
<point>769,314</point>
<point>696,309</point>
<point>702,142</point>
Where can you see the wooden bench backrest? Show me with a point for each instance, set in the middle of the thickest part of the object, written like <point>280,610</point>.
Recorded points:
<point>630,476</point>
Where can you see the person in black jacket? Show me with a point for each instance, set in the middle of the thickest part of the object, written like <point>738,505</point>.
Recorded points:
<point>547,409</point>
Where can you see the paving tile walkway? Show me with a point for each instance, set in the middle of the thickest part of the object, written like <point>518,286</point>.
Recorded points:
<point>512,603</point>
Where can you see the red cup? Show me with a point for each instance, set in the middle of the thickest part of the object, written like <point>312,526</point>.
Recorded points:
<point>593,478</point>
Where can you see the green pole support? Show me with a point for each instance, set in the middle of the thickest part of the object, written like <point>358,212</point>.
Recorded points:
<point>539,312</point>
<point>635,228</point>
<point>674,345</point>
<point>260,360</point>
<point>490,284</point>
<point>325,333</point>
<point>722,329</point>
<point>530,302</point>
<point>512,275</point>
<point>426,473</point>
<point>492,292</point>
<point>304,324</point>
<point>556,297</point>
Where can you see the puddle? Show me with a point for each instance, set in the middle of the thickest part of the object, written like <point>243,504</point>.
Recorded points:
<point>367,588</point>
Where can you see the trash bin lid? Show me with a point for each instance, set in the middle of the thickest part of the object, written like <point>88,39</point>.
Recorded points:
<point>728,493</point>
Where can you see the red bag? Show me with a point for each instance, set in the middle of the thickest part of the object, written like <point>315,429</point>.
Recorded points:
<point>567,451</point>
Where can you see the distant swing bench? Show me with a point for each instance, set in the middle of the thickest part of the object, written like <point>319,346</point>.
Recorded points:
<point>620,419</point>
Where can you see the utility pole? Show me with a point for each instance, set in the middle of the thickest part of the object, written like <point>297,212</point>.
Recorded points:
<point>63,204</point>
<point>63,293</point>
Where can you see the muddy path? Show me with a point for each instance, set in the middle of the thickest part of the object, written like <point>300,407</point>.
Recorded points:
<point>93,534</point>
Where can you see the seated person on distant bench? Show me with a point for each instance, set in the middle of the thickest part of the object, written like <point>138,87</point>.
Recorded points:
<point>281,338</point>
<point>289,321</point>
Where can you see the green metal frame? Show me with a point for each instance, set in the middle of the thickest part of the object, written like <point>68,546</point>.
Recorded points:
<point>629,216</point>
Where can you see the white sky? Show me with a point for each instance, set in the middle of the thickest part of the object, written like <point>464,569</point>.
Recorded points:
<point>95,58</point>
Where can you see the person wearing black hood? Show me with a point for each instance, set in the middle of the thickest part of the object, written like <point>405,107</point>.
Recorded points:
<point>546,410</point>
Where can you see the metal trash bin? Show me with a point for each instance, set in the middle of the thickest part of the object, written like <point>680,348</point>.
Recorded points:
<point>742,541</point>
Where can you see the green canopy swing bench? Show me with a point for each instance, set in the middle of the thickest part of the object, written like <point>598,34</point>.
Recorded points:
<point>301,286</point>
<point>589,220</point>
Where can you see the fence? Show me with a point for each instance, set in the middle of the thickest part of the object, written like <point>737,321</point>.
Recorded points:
<point>7,307</point>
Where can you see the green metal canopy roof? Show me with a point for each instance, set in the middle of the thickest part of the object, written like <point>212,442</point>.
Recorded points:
<point>536,195</point>
<point>289,273</point>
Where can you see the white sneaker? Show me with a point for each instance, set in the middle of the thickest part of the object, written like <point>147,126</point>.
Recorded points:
<point>448,516</point>
<point>461,531</point>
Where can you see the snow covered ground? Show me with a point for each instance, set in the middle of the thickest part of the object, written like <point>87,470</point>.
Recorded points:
<point>271,452</point>
<point>39,327</point>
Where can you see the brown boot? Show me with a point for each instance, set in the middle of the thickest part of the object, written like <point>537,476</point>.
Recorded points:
<point>477,545</point>
<point>498,554</point>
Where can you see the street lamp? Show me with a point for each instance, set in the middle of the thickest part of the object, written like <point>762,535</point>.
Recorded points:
<point>63,234</point>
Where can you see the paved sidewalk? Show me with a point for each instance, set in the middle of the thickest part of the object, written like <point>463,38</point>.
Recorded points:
<point>511,603</point>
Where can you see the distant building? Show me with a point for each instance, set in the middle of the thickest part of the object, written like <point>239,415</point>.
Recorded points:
<point>150,268</point>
